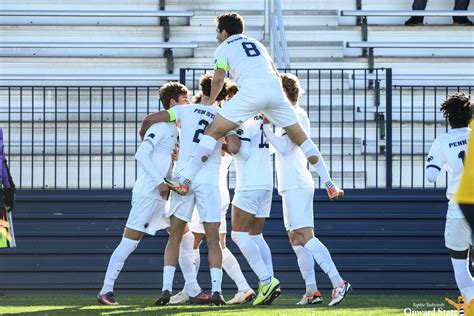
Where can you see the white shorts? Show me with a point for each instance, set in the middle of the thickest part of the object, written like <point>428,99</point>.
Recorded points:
<point>256,202</point>
<point>298,208</point>
<point>457,234</point>
<point>258,96</point>
<point>205,197</point>
<point>197,227</point>
<point>147,215</point>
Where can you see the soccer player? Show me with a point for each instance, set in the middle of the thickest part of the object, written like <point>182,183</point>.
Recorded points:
<point>150,193</point>
<point>296,186</point>
<point>251,205</point>
<point>260,90</point>
<point>204,194</point>
<point>448,152</point>
<point>7,200</point>
<point>229,263</point>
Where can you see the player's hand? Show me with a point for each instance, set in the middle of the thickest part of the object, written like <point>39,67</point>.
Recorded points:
<point>266,120</point>
<point>334,192</point>
<point>175,154</point>
<point>164,190</point>
<point>9,195</point>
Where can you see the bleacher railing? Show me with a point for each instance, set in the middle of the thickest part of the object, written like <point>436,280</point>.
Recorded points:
<point>85,137</point>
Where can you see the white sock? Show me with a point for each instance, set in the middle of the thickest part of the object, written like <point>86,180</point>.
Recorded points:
<point>197,260</point>
<point>204,148</point>
<point>216,278</point>
<point>306,265</point>
<point>232,268</point>
<point>251,252</point>
<point>264,251</point>
<point>186,263</point>
<point>168,276</point>
<point>462,275</point>
<point>116,262</point>
<point>323,258</point>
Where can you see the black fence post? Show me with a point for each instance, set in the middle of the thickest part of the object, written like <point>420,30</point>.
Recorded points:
<point>182,76</point>
<point>388,119</point>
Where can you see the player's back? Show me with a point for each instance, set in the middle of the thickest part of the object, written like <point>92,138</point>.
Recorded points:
<point>448,152</point>
<point>292,170</point>
<point>194,119</point>
<point>257,171</point>
<point>248,60</point>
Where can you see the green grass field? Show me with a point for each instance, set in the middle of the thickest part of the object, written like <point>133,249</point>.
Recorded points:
<point>354,305</point>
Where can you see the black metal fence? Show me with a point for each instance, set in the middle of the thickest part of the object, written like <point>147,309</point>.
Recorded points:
<point>86,137</point>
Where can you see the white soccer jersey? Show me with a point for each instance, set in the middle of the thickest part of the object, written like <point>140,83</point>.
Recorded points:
<point>194,119</point>
<point>163,137</point>
<point>245,58</point>
<point>448,152</point>
<point>257,171</point>
<point>292,170</point>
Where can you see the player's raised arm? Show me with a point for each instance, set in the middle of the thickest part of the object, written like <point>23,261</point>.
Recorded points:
<point>218,80</point>
<point>282,144</point>
<point>162,116</point>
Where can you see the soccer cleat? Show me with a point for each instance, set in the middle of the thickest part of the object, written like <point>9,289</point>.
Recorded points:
<point>107,299</point>
<point>180,298</point>
<point>333,191</point>
<point>164,298</point>
<point>175,185</point>
<point>265,291</point>
<point>340,292</point>
<point>272,297</point>
<point>217,299</point>
<point>202,298</point>
<point>314,298</point>
<point>242,297</point>
<point>414,21</point>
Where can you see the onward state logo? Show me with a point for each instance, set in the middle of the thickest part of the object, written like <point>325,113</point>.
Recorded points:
<point>425,309</point>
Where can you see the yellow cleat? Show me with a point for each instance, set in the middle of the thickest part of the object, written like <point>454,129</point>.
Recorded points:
<point>265,292</point>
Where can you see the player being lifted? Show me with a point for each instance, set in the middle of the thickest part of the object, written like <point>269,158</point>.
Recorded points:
<point>260,90</point>
<point>204,194</point>
<point>296,186</point>
<point>229,263</point>
<point>448,152</point>
<point>150,194</point>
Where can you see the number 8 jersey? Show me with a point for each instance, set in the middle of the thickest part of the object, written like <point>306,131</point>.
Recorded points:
<point>194,119</point>
<point>245,58</point>
<point>448,152</point>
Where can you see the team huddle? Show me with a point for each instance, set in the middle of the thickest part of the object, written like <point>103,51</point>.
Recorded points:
<point>185,156</point>
<point>228,123</point>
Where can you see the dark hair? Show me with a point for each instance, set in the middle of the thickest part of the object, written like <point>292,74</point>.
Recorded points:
<point>457,109</point>
<point>198,97</point>
<point>206,81</point>
<point>172,90</point>
<point>292,87</point>
<point>232,88</point>
<point>232,22</point>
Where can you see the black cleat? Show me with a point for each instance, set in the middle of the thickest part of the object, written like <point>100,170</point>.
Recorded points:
<point>107,299</point>
<point>217,299</point>
<point>164,298</point>
<point>272,297</point>
<point>205,297</point>
<point>414,21</point>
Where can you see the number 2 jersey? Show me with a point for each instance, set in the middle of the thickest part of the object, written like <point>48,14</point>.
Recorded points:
<point>448,152</point>
<point>193,119</point>
<point>245,58</point>
<point>255,173</point>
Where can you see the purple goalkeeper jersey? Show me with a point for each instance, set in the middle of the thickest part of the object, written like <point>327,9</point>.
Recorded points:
<point>3,166</point>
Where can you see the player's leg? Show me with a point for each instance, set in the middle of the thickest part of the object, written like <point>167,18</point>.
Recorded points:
<point>306,265</point>
<point>256,233</point>
<point>232,267</point>
<point>127,245</point>
<point>234,112</point>
<point>458,240</point>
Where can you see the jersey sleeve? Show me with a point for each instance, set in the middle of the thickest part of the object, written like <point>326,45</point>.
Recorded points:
<point>154,134</point>
<point>220,58</point>
<point>436,158</point>
<point>176,113</point>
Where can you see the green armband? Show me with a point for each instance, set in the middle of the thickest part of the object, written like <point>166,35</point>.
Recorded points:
<point>171,114</point>
<point>221,65</point>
